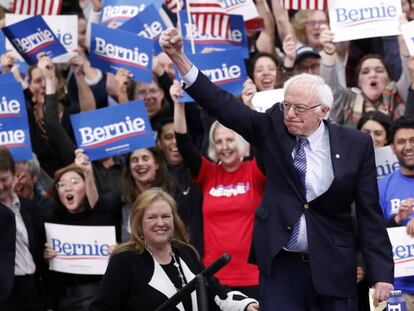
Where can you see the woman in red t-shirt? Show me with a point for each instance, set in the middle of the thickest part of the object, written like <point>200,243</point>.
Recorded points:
<point>232,189</point>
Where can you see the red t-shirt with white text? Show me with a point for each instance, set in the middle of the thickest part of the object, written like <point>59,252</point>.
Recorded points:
<point>229,203</point>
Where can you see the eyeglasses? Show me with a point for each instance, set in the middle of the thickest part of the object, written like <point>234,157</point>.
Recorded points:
<point>298,108</point>
<point>307,68</point>
<point>314,22</point>
<point>61,185</point>
<point>142,93</point>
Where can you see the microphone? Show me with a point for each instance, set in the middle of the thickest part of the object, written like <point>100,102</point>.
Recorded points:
<point>216,265</point>
<point>197,283</point>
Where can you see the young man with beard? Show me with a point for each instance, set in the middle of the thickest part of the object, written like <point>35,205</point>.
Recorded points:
<point>396,192</point>
<point>22,239</point>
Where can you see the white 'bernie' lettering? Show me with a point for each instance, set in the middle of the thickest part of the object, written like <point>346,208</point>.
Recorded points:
<point>223,74</point>
<point>91,136</point>
<point>121,11</point>
<point>343,15</point>
<point>120,53</point>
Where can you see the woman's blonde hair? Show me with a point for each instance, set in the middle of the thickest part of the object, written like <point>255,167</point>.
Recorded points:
<point>143,201</point>
<point>243,146</point>
<point>299,24</point>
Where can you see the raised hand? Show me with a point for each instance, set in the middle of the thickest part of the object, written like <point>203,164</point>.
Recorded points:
<point>45,64</point>
<point>176,91</point>
<point>171,42</point>
<point>326,39</point>
<point>82,161</point>
<point>249,89</point>
<point>7,61</point>
<point>289,47</point>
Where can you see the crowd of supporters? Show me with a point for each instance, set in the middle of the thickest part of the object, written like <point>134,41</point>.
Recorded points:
<point>212,173</point>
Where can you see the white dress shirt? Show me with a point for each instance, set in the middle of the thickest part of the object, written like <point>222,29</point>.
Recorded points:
<point>319,176</point>
<point>24,263</point>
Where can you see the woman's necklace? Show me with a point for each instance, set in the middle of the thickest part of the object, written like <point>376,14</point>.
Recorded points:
<point>177,266</point>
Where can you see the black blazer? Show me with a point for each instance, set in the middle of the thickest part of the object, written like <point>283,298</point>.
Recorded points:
<point>37,238</point>
<point>135,281</point>
<point>330,230</point>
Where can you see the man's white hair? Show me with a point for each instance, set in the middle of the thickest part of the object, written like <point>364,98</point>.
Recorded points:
<point>314,85</point>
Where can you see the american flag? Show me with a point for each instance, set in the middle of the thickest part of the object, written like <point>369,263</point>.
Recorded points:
<point>37,7</point>
<point>304,4</point>
<point>209,17</point>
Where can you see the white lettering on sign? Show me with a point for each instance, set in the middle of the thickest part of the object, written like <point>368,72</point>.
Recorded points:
<point>118,53</point>
<point>33,41</point>
<point>223,74</point>
<point>92,136</point>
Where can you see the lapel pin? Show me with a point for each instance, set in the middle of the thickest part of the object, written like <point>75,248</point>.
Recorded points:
<point>337,156</point>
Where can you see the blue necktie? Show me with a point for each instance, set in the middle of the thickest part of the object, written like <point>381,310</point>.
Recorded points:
<point>299,163</point>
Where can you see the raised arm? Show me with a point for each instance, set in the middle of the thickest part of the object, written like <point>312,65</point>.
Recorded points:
<point>86,97</point>
<point>284,27</point>
<point>56,133</point>
<point>82,161</point>
<point>190,155</point>
<point>252,125</point>
<point>328,72</point>
<point>266,40</point>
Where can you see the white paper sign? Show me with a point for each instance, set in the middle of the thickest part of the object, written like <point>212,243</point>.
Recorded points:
<point>356,19</point>
<point>407,31</point>
<point>80,249</point>
<point>402,250</point>
<point>65,27</point>
<point>264,100</point>
<point>247,8</point>
<point>386,161</point>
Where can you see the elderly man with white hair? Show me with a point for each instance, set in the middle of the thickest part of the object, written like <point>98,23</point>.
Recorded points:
<point>304,239</point>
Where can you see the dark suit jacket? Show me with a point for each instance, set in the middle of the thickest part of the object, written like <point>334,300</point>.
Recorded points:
<point>36,234</point>
<point>330,230</point>
<point>133,281</point>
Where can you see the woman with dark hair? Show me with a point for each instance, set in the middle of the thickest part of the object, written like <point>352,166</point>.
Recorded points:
<point>376,124</point>
<point>375,92</point>
<point>43,87</point>
<point>265,75</point>
<point>77,202</point>
<point>156,262</point>
<point>145,168</point>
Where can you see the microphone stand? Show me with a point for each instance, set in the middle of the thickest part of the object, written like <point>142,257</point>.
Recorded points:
<point>198,284</point>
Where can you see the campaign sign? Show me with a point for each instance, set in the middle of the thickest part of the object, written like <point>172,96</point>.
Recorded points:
<point>262,101</point>
<point>225,69</point>
<point>407,31</point>
<point>350,20</point>
<point>235,36</point>
<point>80,249</point>
<point>247,8</point>
<point>113,49</point>
<point>116,12</point>
<point>65,27</point>
<point>147,24</point>
<point>113,130</point>
<point>33,36</point>
<point>7,77</point>
<point>386,161</point>
<point>14,126</point>
<point>403,251</point>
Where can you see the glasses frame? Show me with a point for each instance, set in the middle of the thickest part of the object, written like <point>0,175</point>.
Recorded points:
<point>60,186</point>
<point>298,108</point>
